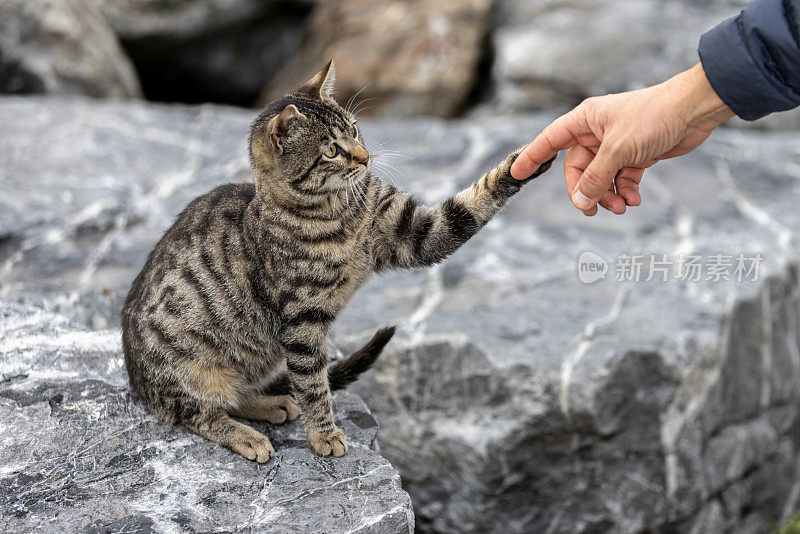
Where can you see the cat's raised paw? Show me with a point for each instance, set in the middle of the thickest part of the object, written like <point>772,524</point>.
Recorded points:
<point>331,443</point>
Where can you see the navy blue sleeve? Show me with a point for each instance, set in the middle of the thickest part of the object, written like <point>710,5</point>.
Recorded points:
<point>753,59</point>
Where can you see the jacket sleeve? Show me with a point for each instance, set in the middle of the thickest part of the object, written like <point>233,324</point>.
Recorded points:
<point>753,59</point>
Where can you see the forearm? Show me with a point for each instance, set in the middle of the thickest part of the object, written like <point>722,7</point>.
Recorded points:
<point>410,235</point>
<point>303,341</point>
<point>404,231</point>
<point>695,100</point>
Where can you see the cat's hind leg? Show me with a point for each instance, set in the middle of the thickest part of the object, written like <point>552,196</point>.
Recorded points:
<point>275,409</point>
<point>218,427</point>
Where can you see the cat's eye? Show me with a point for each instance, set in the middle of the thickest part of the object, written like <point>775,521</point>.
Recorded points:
<point>355,130</point>
<point>330,151</point>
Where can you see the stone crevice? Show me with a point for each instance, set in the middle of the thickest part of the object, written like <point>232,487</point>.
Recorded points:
<point>577,355</point>
<point>747,208</point>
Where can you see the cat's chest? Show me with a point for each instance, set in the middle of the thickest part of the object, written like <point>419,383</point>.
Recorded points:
<point>347,270</point>
<point>323,265</point>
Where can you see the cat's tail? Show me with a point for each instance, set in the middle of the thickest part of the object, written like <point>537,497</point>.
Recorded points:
<point>344,372</point>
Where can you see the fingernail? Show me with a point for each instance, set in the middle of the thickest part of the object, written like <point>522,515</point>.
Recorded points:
<point>581,201</point>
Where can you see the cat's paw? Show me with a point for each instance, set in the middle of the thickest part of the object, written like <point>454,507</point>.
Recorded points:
<point>253,445</point>
<point>283,410</point>
<point>543,168</point>
<point>330,443</point>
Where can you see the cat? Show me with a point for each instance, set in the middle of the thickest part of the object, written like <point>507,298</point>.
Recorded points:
<point>229,315</point>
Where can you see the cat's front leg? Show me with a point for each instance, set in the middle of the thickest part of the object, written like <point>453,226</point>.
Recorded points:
<point>307,363</point>
<point>408,235</point>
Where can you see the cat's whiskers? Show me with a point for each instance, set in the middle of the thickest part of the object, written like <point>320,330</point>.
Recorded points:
<point>356,183</point>
<point>360,187</point>
<point>379,160</point>
<point>394,174</point>
<point>389,165</point>
<point>350,188</point>
<point>352,98</point>
<point>358,196</point>
<point>358,107</point>
<point>385,172</point>
<point>355,195</point>
<point>393,153</point>
<point>347,196</point>
<point>378,146</point>
<point>335,200</point>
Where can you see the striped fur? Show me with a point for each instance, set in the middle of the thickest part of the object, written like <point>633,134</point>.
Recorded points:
<point>230,313</point>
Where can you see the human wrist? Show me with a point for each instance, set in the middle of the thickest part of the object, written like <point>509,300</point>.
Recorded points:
<point>695,99</point>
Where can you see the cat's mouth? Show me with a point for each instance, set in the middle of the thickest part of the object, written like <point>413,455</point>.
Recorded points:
<point>358,173</point>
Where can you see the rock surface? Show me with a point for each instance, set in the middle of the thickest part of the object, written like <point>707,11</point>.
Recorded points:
<point>61,46</point>
<point>514,398</point>
<point>77,454</point>
<point>411,57</point>
<point>522,400</point>
<point>417,57</point>
<point>558,52</point>
<point>207,50</point>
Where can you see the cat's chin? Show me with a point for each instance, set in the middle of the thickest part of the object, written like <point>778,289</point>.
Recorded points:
<point>346,184</point>
<point>357,178</point>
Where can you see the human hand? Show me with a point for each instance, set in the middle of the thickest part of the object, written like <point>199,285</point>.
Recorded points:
<point>612,139</point>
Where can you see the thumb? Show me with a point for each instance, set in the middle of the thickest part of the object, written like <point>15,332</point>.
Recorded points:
<point>596,179</point>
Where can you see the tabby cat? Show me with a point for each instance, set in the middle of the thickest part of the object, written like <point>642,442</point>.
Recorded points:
<point>228,318</point>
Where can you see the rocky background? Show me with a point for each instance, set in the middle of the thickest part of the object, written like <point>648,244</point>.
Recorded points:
<point>407,57</point>
<point>515,398</point>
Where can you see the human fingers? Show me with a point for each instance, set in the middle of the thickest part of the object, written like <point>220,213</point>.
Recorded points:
<point>613,202</point>
<point>627,185</point>
<point>561,134</point>
<point>598,176</point>
<point>575,163</point>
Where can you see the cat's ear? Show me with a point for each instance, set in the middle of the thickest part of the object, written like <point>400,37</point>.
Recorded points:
<point>321,86</point>
<point>282,126</point>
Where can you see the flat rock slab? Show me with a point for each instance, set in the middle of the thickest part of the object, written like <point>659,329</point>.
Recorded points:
<point>515,398</point>
<point>78,454</point>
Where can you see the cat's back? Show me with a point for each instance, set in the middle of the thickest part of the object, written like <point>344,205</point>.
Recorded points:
<point>187,295</point>
<point>225,204</point>
<point>205,239</point>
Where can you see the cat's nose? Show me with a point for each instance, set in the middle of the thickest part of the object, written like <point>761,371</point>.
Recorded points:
<point>360,155</point>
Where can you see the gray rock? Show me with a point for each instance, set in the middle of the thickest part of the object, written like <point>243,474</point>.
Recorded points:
<point>557,52</point>
<point>518,399</point>
<point>183,19</point>
<point>207,50</point>
<point>79,454</point>
<point>514,398</point>
<point>61,46</point>
<point>418,57</point>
